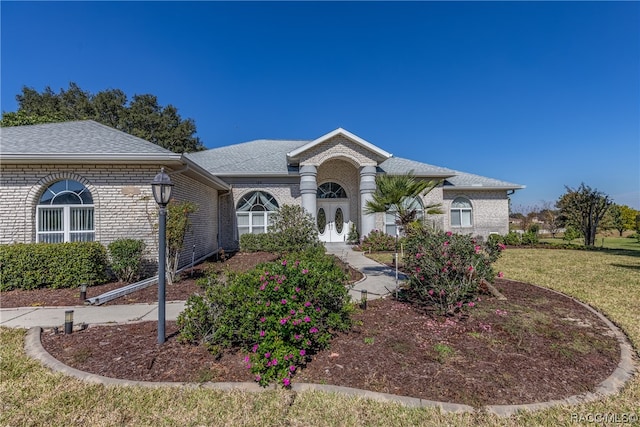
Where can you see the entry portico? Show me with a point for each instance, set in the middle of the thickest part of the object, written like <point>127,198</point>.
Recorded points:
<point>348,161</point>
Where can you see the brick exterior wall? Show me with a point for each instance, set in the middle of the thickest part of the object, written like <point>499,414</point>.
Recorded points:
<point>490,212</point>
<point>123,203</point>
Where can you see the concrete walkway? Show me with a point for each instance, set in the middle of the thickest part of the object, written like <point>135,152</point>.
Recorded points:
<point>379,281</point>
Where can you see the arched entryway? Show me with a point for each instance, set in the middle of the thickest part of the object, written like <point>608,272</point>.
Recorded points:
<point>333,213</point>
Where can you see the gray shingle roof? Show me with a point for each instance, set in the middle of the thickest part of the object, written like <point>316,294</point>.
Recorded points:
<point>80,138</point>
<point>398,165</point>
<point>463,180</point>
<point>259,157</point>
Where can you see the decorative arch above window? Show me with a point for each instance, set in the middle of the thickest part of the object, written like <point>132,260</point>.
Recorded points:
<point>253,212</point>
<point>390,216</point>
<point>461,212</point>
<point>65,213</point>
<point>331,190</point>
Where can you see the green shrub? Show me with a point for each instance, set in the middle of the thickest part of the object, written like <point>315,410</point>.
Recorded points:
<point>53,265</point>
<point>445,269</point>
<point>512,239</point>
<point>571,233</point>
<point>530,238</point>
<point>378,241</point>
<point>263,242</point>
<point>126,258</point>
<point>280,313</point>
<point>293,229</point>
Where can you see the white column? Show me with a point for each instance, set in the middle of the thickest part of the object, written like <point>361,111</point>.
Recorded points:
<point>309,188</point>
<point>367,188</point>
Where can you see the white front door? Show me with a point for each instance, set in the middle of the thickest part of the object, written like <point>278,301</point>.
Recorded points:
<point>333,220</point>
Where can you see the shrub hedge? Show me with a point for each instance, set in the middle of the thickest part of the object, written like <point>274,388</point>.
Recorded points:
<point>53,265</point>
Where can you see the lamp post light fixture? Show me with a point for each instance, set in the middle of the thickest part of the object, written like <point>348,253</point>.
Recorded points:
<point>162,187</point>
<point>83,292</point>
<point>68,322</point>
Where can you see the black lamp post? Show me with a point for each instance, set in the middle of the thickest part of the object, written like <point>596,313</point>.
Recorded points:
<point>162,186</point>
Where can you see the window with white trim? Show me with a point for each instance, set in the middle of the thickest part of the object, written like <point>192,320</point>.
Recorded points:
<point>65,214</point>
<point>331,190</point>
<point>390,216</point>
<point>253,212</point>
<point>461,212</point>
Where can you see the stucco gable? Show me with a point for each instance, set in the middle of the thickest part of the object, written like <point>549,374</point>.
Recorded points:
<point>311,149</point>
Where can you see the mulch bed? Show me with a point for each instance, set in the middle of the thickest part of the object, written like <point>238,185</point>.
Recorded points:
<point>536,346</point>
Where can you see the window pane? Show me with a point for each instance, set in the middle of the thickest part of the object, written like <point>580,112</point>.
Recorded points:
<point>50,220</point>
<point>390,229</point>
<point>81,219</point>
<point>242,230</point>
<point>455,218</point>
<point>466,218</point>
<point>82,237</point>
<point>243,219</point>
<point>51,238</point>
<point>257,219</point>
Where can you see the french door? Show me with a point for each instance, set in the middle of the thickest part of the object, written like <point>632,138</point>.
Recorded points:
<point>333,220</point>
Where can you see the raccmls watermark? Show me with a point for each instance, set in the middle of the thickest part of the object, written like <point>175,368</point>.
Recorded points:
<point>606,417</point>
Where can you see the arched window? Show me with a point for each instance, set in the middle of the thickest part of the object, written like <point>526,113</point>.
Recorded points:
<point>253,212</point>
<point>409,204</point>
<point>461,212</point>
<point>331,190</point>
<point>65,213</point>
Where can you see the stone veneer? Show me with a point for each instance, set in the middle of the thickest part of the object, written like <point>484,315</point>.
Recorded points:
<point>123,203</point>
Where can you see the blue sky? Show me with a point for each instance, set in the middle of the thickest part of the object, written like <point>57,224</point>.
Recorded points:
<point>544,94</point>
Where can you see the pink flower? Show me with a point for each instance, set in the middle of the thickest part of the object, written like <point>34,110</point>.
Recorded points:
<point>283,301</point>
<point>501,246</point>
<point>448,233</point>
<point>277,288</point>
<point>292,368</point>
<point>307,304</point>
<point>305,271</point>
<point>471,304</point>
<point>297,337</point>
<point>255,348</point>
<point>477,249</point>
<point>286,382</point>
<point>307,319</point>
<point>431,292</point>
<point>284,262</point>
<point>418,269</point>
<point>302,352</point>
<point>470,269</point>
<point>262,287</point>
<point>262,333</point>
<point>459,303</point>
<point>418,255</point>
<point>283,321</point>
<point>500,274</point>
<point>274,361</point>
<point>258,378</point>
<point>297,289</point>
<point>263,319</point>
<point>292,312</point>
<point>267,355</point>
<point>313,330</point>
<point>446,243</point>
<point>246,359</point>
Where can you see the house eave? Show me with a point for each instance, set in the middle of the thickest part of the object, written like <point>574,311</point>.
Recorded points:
<point>68,158</point>
<point>295,154</point>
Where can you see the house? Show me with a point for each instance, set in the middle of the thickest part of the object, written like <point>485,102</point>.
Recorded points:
<point>85,181</point>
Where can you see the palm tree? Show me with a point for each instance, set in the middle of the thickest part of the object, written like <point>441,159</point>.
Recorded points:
<point>395,193</point>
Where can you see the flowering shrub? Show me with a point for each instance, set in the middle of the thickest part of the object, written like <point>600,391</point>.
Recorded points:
<point>445,269</point>
<point>279,314</point>
<point>378,241</point>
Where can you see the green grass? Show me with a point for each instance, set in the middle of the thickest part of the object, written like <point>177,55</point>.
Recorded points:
<point>618,243</point>
<point>32,395</point>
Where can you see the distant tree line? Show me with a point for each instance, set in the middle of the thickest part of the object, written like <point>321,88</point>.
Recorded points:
<point>581,212</point>
<point>142,116</point>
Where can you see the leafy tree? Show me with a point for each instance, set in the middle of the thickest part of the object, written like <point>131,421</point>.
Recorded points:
<point>395,192</point>
<point>621,218</point>
<point>550,218</point>
<point>178,223</point>
<point>584,208</point>
<point>143,117</point>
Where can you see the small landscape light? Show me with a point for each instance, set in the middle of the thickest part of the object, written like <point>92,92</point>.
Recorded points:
<point>68,322</point>
<point>363,299</point>
<point>83,292</point>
